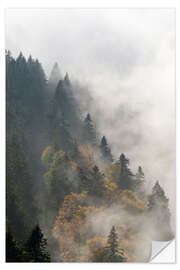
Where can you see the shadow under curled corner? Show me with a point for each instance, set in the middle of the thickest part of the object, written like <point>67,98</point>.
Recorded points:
<point>158,247</point>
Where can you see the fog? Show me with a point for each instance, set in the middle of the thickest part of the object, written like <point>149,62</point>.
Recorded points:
<point>127,60</point>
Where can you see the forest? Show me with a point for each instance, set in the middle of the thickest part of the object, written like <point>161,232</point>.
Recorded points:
<point>68,199</point>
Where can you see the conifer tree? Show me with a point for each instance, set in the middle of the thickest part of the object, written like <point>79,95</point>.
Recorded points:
<point>89,133</point>
<point>115,254</point>
<point>139,183</point>
<point>36,246</point>
<point>84,181</point>
<point>126,176</point>
<point>111,252</point>
<point>96,187</point>
<point>54,78</point>
<point>61,134</point>
<point>25,88</point>
<point>105,150</point>
<point>159,213</point>
<point>157,196</point>
<point>113,241</point>
<point>65,104</point>
<point>67,80</point>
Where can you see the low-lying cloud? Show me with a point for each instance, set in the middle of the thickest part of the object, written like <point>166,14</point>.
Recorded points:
<point>127,59</point>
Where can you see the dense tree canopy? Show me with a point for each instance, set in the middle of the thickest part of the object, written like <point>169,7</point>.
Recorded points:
<point>59,174</point>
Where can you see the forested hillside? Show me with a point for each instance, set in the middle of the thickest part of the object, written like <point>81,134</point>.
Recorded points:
<point>67,198</point>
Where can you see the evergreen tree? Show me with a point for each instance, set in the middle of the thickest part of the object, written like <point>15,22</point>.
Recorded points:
<point>54,78</point>
<point>96,187</point>
<point>89,133</point>
<point>157,196</point>
<point>65,104</point>
<point>36,246</point>
<point>140,175</point>
<point>67,80</point>
<point>60,134</point>
<point>84,181</point>
<point>20,213</point>
<point>105,150</point>
<point>139,183</point>
<point>115,254</point>
<point>19,189</point>
<point>159,213</point>
<point>126,177</point>
<point>113,241</point>
<point>59,182</point>
<point>111,252</point>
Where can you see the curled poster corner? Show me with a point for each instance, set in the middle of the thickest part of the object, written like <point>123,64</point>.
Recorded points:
<point>163,252</point>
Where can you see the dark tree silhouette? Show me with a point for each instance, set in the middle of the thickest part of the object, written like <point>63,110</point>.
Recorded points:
<point>126,177</point>
<point>139,183</point>
<point>64,104</point>
<point>54,78</point>
<point>36,246</point>
<point>89,133</point>
<point>84,180</point>
<point>113,241</point>
<point>105,150</point>
<point>96,187</point>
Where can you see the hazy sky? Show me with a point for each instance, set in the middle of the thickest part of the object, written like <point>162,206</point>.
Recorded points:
<point>127,57</point>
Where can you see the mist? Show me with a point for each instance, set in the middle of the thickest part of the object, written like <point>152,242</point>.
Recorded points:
<point>127,60</point>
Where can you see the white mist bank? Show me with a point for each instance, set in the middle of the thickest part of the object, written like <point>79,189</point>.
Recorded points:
<point>127,59</point>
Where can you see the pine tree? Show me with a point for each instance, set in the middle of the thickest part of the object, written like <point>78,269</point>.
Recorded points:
<point>139,183</point>
<point>61,134</point>
<point>115,254</point>
<point>96,187</point>
<point>140,175</point>
<point>36,246</point>
<point>20,188</point>
<point>67,80</point>
<point>84,181</point>
<point>54,78</point>
<point>65,104</point>
<point>157,196</point>
<point>159,213</point>
<point>25,88</point>
<point>105,150</point>
<point>126,176</point>
<point>111,252</point>
<point>113,241</point>
<point>89,133</point>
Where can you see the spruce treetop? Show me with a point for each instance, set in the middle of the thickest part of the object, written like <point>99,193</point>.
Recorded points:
<point>66,78</point>
<point>88,118</point>
<point>103,141</point>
